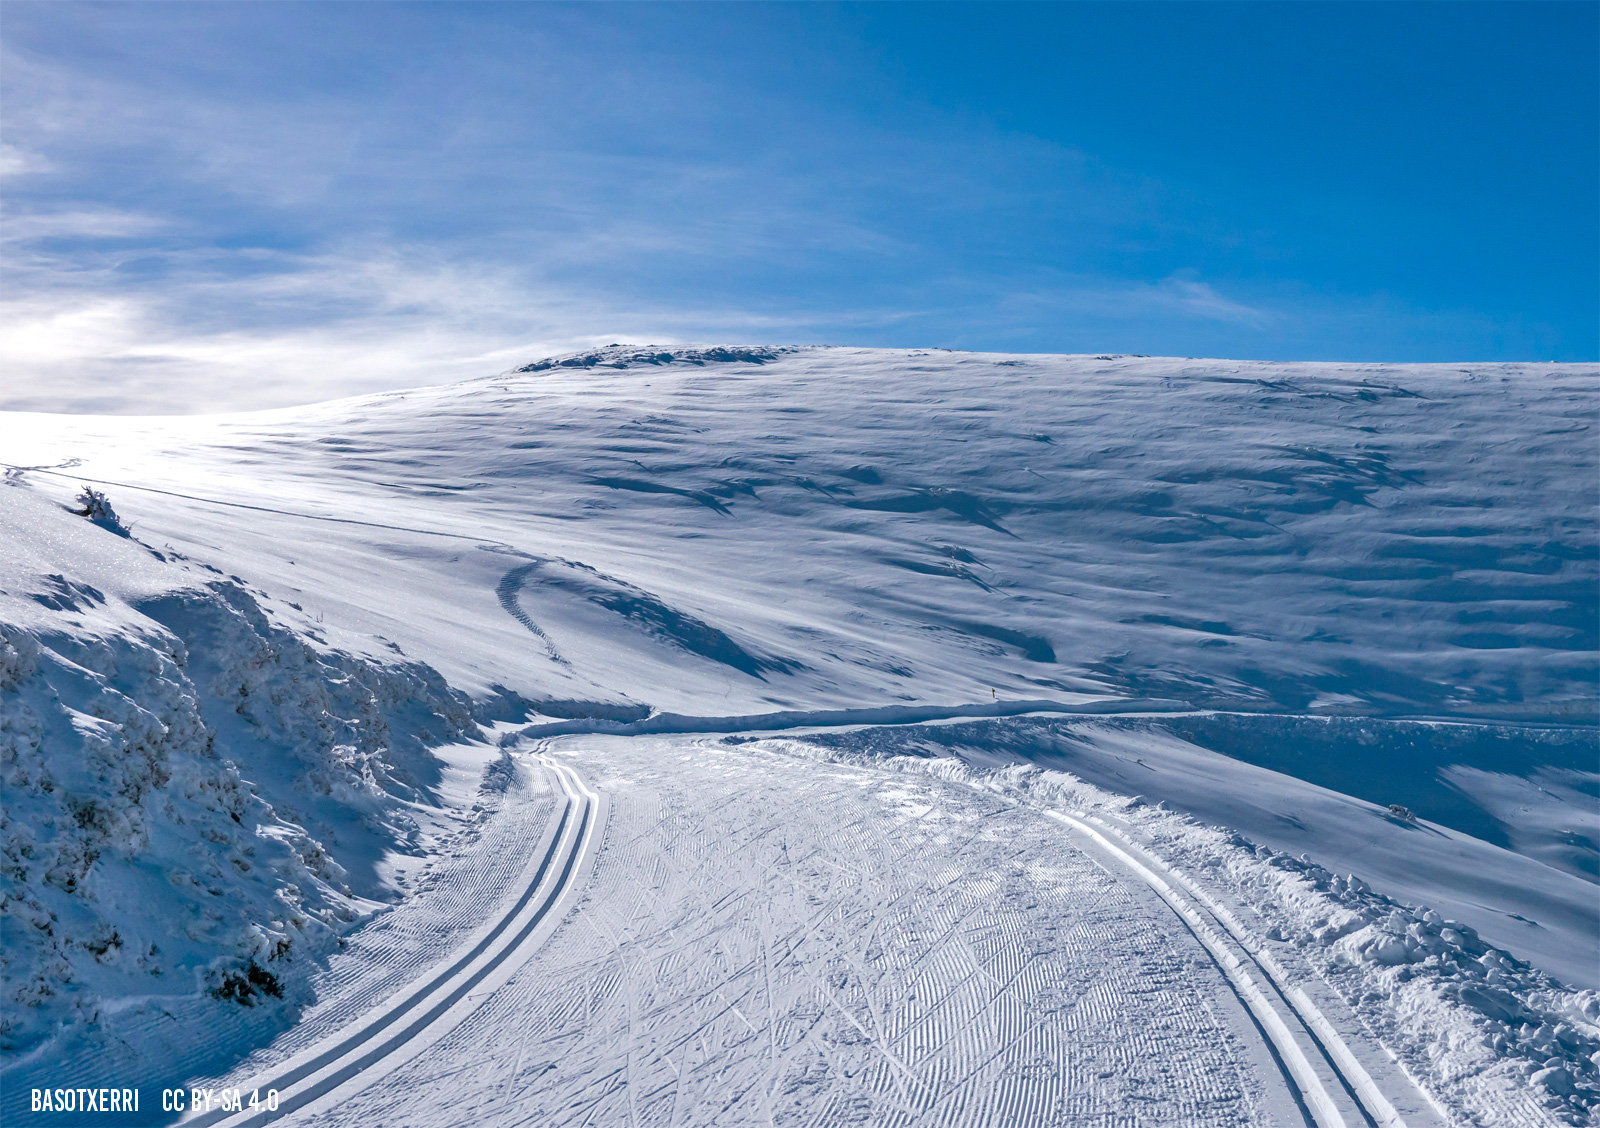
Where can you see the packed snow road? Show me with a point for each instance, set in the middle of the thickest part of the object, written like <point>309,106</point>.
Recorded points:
<point>769,939</point>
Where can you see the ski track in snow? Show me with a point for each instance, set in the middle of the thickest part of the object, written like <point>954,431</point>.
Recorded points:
<point>893,954</point>
<point>336,1067</point>
<point>425,932</point>
<point>1305,1045</point>
<point>510,584</point>
<point>897,951</point>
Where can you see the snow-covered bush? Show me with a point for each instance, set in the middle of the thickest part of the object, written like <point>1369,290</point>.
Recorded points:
<point>97,507</point>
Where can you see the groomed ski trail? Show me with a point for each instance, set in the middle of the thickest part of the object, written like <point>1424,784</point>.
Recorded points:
<point>767,939</point>
<point>926,1064</point>
<point>1332,1086</point>
<point>347,1062</point>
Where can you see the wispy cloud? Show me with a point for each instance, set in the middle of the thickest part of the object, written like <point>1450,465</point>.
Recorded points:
<point>308,328</point>
<point>1187,294</point>
<point>253,223</point>
<point>1179,298</point>
<point>18,162</point>
<point>86,223</point>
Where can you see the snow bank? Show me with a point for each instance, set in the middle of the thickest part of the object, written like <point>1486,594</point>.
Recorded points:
<point>196,800</point>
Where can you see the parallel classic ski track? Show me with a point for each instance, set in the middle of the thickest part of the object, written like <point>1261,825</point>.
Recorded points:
<point>1330,1086</point>
<point>357,1056</point>
<point>1305,1044</point>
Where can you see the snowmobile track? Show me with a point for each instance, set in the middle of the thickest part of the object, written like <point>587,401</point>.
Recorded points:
<point>350,1060</point>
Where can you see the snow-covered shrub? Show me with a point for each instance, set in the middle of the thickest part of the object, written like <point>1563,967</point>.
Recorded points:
<point>97,507</point>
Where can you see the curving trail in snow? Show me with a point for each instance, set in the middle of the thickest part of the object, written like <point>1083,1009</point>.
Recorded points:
<point>1331,1085</point>
<point>337,1068</point>
<point>772,940</point>
<point>506,591</point>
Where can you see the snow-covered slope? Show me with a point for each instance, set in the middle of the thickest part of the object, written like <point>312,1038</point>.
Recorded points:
<point>1361,585</point>
<point>818,527</point>
<point>197,800</point>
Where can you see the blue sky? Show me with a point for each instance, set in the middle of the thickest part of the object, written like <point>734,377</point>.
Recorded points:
<point>219,206</point>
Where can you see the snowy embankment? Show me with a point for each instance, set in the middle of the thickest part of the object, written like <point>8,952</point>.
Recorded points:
<point>1327,589</point>
<point>198,801</point>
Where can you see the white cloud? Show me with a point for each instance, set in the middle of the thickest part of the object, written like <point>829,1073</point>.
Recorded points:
<point>89,223</point>
<point>236,330</point>
<point>1188,295</point>
<point>302,329</point>
<point>1182,299</point>
<point>41,332</point>
<point>18,162</point>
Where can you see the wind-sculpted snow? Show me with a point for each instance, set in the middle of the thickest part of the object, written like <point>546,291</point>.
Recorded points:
<point>648,614</point>
<point>1481,791</point>
<point>1399,540</point>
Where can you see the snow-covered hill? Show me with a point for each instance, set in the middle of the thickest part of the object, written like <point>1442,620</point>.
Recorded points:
<point>1291,595</point>
<point>818,527</point>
